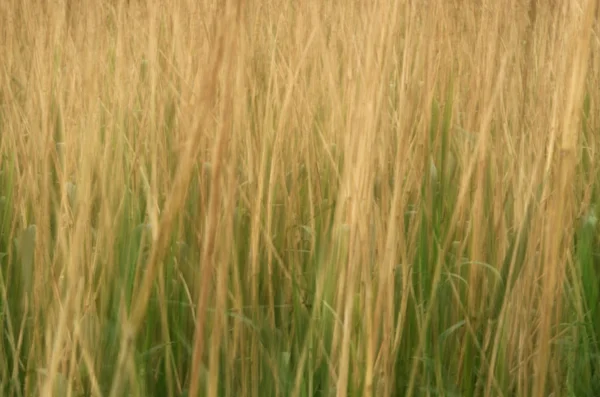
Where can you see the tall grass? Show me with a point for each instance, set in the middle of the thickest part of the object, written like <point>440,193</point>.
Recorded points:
<point>386,198</point>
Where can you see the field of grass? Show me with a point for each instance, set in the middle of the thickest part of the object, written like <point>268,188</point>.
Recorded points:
<point>280,198</point>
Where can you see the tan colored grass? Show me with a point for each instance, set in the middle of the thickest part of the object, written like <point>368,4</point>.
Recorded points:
<point>288,107</point>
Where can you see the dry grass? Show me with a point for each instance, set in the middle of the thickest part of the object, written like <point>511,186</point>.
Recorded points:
<point>386,198</point>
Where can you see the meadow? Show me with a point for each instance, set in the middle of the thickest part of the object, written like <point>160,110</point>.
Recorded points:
<point>278,198</point>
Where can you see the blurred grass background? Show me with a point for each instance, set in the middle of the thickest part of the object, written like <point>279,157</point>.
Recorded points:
<point>229,198</point>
